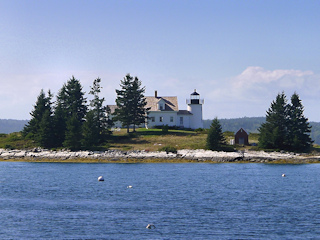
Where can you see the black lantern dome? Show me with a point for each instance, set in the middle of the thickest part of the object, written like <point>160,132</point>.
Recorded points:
<point>195,97</point>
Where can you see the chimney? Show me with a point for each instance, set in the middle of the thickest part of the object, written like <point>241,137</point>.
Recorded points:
<point>155,93</point>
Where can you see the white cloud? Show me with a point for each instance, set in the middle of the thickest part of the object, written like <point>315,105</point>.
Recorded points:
<point>283,77</point>
<point>251,92</point>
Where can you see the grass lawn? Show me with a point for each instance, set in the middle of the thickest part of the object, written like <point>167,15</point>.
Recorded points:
<point>155,139</point>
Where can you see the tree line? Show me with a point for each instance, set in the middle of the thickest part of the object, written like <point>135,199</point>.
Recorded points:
<point>285,128</point>
<point>72,123</point>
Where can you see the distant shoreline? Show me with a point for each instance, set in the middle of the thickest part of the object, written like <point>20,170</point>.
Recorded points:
<point>182,156</point>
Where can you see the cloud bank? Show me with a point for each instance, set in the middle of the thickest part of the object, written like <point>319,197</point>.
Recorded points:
<point>251,92</point>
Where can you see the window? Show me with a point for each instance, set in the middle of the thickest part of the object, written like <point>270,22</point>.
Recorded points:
<point>171,119</point>
<point>152,119</point>
<point>161,119</point>
<point>161,106</point>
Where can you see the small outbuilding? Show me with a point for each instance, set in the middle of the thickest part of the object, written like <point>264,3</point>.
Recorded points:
<point>241,137</point>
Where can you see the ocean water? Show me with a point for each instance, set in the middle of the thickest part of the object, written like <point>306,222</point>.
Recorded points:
<point>183,201</point>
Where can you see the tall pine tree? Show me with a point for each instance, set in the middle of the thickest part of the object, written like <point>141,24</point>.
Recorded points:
<point>139,102</point>
<point>285,128</point>
<point>96,127</point>
<point>72,108</point>
<point>37,129</point>
<point>215,139</point>
<point>130,103</point>
<point>298,127</point>
<point>273,133</point>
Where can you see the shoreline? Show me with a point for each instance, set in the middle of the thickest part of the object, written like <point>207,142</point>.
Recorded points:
<point>182,156</point>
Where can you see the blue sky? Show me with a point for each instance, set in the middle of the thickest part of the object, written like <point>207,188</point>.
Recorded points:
<point>238,54</point>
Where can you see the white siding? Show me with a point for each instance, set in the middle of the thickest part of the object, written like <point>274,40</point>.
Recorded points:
<point>166,116</point>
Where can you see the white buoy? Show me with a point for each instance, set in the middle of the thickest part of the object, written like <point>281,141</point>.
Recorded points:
<point>150,226</point>
<point>283,175</point>
<point>129,186</point>
<point>100,179</point>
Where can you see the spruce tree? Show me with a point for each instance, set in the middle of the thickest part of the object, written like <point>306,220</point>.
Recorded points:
<point>96,126</point>
<point>46,130</point>
<point>273,133</point>
<point>215,139</point>
<point>139,111</point>
<point>75,102</point>
<point>73,133</point>
<point>130,103</point>
<point>298,127</point>
<point>286,128</point>
<point>90,131</point>
<point>71,109</point>
<point>60,125</point>
<point>42,109</point>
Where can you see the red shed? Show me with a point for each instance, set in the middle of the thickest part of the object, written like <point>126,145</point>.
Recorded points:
<point>241,137</point>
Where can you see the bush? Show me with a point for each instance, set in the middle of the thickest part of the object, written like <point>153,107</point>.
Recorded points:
<point>201,130</point>
<point>8,146</point>
<point>168,149</point>
<point>165,128</point>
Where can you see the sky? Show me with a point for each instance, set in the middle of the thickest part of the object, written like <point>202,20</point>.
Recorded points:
<point>238,55</point>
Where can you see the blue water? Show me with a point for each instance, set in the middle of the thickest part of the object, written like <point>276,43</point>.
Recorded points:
<point>183,201</point>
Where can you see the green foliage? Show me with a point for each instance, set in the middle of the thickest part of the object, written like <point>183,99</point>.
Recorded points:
<point>41,109</point>
<point>46,131</point>
<point>285,128</point>
<point>168,149</point>
<point>63,125</point>
<point>200,130</point>
<point>73,133</point>
<point>130,103</point>
<point>165,128</point>
<point>96,127</point>
<point>8,146</point>
<point>215,138</point>
<point>298,127</point>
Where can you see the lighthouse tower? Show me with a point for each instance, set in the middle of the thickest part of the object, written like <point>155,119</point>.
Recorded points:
<point>195,107</point>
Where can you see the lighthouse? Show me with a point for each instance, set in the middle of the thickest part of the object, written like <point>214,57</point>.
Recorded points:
<point>195,107</point>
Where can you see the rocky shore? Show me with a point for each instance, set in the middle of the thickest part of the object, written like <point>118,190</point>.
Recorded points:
<point>200,155</point>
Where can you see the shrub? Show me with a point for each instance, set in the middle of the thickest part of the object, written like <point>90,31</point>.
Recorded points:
<point>165,128</point>
<point>8,146</point>
<point>168,149</point>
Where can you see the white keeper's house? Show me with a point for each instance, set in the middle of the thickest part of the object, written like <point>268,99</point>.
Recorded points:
<point>165,111</point>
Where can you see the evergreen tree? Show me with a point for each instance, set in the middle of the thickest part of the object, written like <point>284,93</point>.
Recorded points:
<point>42,109</point>
<point>71,109</point>
<point>46,131</point>
<point>60,125</point>
<point>75,102</point>
<point>215,138</point>
<point>73,133</point>
<point>130,103</point>
<point>96,126</point>
<point>273,133</point>
<point>90,131</point>
<point>299,130</point>
<point>139,102</point>
<point>285,128</point>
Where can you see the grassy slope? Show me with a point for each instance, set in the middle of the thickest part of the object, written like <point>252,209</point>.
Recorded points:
<point>143,139</point>
<point>154,139</point>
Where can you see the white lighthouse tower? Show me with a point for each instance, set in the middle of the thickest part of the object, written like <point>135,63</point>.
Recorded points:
<point>195,107</point>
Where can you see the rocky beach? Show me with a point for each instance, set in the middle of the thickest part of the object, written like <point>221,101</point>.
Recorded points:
<point>186,155</point>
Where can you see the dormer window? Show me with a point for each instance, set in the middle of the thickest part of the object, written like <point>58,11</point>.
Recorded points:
<point>161,105</point>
